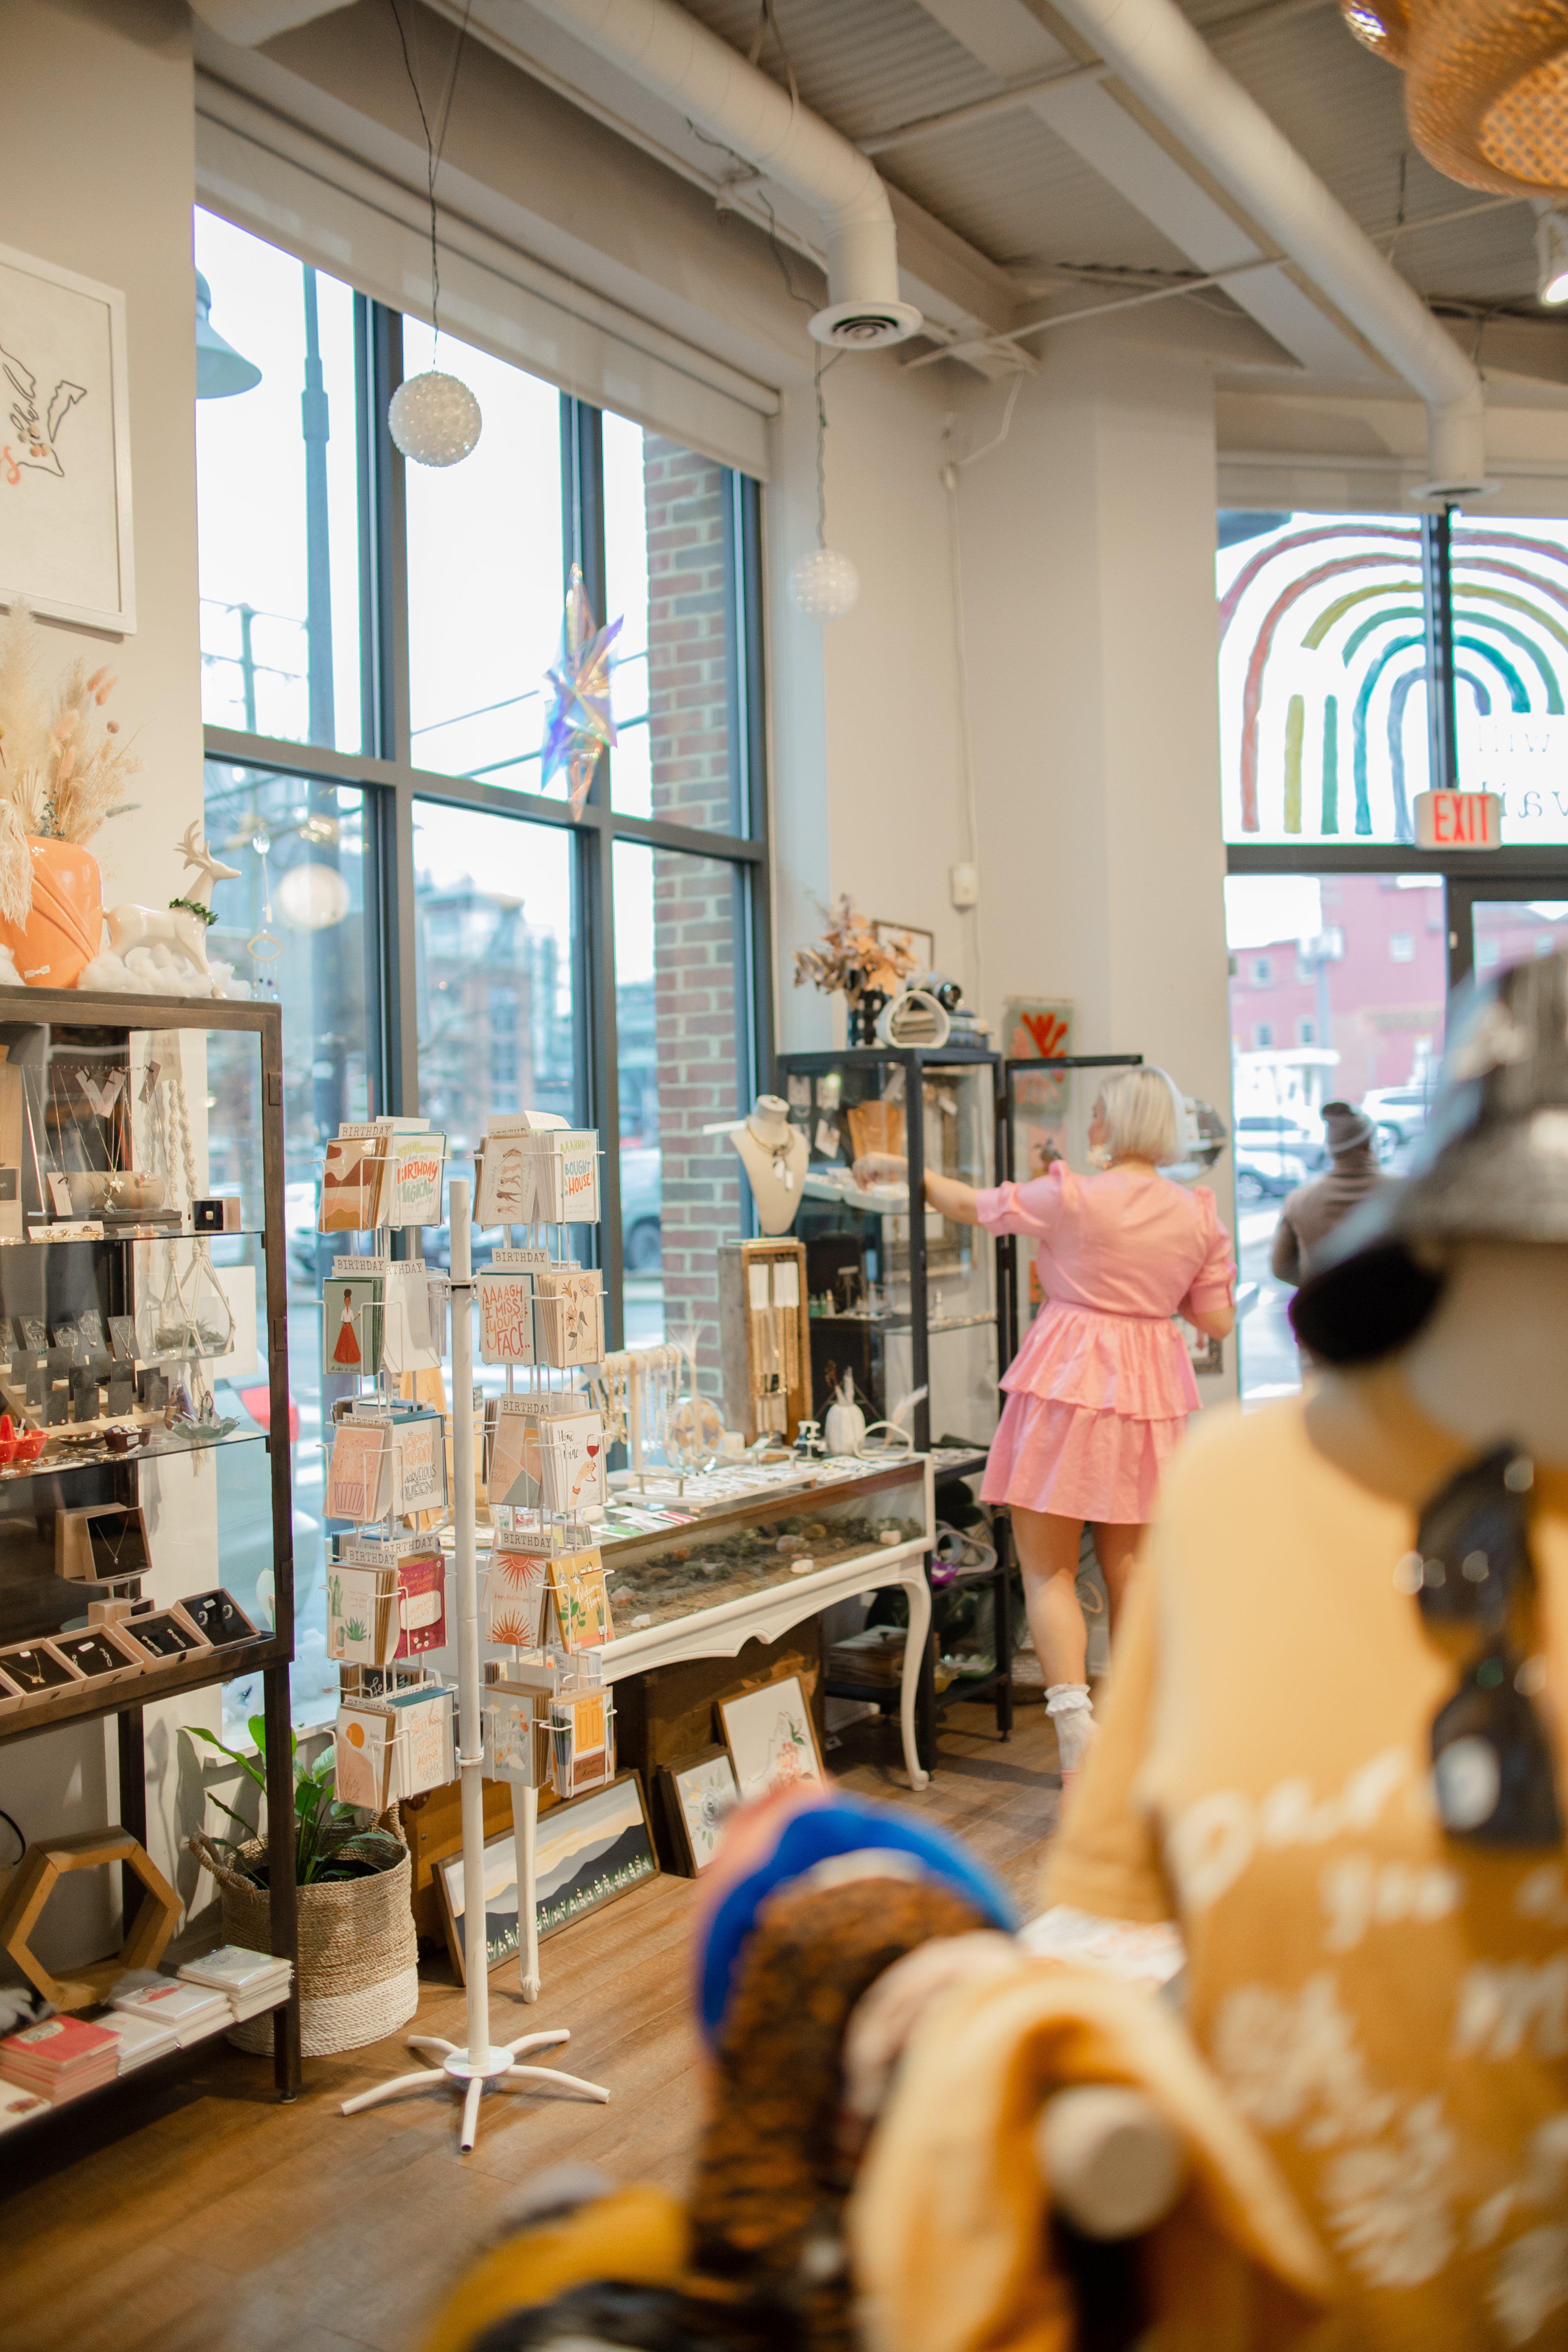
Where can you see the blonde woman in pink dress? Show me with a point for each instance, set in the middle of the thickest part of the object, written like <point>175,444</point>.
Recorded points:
<point>1099,1393</point>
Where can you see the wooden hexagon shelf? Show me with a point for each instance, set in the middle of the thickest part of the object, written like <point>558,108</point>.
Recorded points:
<point>37,1876</point>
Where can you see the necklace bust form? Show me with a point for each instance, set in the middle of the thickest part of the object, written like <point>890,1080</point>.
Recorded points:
<point>774,1154</point>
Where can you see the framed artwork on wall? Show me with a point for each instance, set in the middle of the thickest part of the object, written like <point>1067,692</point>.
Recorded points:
<point>65,445</point>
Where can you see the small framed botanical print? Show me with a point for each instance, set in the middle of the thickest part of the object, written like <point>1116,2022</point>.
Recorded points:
<point>770,1737</point>
<point>699,1794</point>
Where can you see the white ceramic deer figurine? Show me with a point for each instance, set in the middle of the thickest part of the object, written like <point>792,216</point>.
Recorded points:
<point>181,927</point>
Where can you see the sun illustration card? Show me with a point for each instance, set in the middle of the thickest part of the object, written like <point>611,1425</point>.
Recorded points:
<point>518,1589</point>
<point>361,1753</point>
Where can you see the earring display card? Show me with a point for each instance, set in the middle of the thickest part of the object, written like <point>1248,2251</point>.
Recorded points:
<point>506,1317</point>
<point>122,1337</point>
<point>219,1617</point>
<point>101,1654</point>
<point>104,1543</point>
<point>166,1635</point>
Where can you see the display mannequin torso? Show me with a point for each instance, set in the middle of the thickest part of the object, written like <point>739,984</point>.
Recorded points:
<point>774,1154</point>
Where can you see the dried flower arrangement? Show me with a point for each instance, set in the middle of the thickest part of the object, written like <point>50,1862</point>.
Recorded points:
<point>851,957</point>
<point>63,767</point>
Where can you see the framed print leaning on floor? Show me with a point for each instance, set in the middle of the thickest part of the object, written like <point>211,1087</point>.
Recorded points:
<point>65,445</point>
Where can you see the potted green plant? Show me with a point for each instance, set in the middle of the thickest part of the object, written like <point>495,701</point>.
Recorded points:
<point>359,1976</point>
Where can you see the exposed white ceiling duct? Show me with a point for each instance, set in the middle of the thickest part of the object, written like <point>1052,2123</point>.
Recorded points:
<point>250,22</point>
<point>1154,49</point>
<point>693,70</point>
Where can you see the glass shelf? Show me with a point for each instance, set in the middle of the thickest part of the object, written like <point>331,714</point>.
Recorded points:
<point>126,1233</point>
<point>60,1459</point>
<point>903,1322</point>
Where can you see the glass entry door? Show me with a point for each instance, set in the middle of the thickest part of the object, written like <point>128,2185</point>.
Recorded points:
<point>1495,923</point>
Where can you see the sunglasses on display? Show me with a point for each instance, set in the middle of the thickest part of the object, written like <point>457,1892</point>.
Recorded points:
<point>1474,1582</point>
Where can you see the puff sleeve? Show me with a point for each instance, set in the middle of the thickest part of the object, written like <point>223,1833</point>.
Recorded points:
<point>1213,1285</point>
<point>1035,1207</point>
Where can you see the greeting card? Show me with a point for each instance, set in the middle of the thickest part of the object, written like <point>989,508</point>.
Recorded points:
<point>506,1317</point>
<point>359,1476</point>
<point>582,1605</point>
<point>518,1591</point>
<point>352,1323</point>
<point>414,1179</point>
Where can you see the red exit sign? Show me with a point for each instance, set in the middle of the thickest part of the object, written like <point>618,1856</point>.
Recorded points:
<point>1459,820</point>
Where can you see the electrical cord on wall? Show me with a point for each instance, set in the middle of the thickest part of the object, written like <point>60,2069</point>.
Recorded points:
<point>950,468</point>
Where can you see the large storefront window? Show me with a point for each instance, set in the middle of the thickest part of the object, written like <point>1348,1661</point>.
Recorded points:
<point>277,508</point>
<point>442,938</point>
<point>1337,991</point>
<point>298,923</point>
<point>1323,675</point>
<point>1511,647</point>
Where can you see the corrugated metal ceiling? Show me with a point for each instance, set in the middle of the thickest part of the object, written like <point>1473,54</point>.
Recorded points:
<point>1025,199</point>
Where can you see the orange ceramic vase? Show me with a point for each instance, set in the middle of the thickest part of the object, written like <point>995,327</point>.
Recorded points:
<point>64,929</point>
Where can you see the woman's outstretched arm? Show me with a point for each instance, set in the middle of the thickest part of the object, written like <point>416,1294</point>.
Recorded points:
<point>943,1193</point>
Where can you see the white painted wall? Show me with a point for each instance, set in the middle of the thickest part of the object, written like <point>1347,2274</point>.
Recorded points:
<point>96,173</point>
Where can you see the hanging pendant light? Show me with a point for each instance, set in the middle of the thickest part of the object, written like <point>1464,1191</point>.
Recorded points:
<point>221,371</point>
<point>434,418</point>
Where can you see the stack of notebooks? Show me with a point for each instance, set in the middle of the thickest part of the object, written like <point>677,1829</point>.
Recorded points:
<point>59,2058</point>
<point>249,1981</point>
<point>189,2012</point>
<point>141,2039</point>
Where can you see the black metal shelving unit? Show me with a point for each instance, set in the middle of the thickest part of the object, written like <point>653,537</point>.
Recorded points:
<point>36,1603</point>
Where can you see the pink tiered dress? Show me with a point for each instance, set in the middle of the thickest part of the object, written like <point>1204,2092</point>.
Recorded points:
<point>1100,1389</point>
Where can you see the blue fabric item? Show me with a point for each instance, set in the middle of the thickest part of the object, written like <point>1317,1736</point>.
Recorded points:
<point>846,1825</point>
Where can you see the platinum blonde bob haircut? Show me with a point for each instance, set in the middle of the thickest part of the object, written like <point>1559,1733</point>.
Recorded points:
<point>1143,1116</point>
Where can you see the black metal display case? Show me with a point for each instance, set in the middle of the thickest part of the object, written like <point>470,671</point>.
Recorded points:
<point>904,1303</point>
<point>87,1094</point>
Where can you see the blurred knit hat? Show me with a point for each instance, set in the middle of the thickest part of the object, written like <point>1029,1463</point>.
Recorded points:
<point>1347,1128</point>
<point>1491,1166</point>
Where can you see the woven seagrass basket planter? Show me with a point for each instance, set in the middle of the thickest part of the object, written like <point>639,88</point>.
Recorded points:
<point>359,1976</point>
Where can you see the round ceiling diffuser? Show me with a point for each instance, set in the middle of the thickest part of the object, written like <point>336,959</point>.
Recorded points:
<point>1487,86</point>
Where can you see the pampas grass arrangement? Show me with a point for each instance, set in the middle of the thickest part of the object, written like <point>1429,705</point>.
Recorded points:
<point>63,766</point>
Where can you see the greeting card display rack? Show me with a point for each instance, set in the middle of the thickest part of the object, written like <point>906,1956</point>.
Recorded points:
<point>478,2064</point>
<point>94,1086</point>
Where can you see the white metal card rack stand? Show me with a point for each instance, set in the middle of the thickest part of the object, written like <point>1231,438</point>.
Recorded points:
<point>478,2064</point>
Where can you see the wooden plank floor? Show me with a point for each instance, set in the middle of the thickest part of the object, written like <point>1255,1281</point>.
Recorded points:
<point>191,2212</point>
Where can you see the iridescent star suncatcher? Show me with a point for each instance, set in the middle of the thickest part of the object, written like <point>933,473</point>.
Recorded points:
<point>580,724</point>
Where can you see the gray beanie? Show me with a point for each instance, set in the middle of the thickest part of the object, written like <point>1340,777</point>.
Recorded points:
<point>1348,1129</point>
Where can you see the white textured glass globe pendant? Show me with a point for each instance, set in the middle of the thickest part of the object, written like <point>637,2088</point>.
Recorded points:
<point>824,584</point>
<point>434,419</point>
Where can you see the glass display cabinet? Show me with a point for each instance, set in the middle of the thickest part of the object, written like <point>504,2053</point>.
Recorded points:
<point>145,1516</point>
<point>1045,1111</point>
<point>903,1304</point>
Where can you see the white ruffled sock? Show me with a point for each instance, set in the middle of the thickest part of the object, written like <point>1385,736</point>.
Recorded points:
<point>1070,1705</point>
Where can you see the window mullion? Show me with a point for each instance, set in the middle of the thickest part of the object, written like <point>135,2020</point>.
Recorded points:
<point>1438,583</point>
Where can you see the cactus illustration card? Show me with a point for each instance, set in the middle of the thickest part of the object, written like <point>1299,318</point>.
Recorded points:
<point>362,1615</point>
<point>581,1604</point>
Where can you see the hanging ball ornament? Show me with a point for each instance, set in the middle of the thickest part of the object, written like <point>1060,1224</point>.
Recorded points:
<point>824,584</point>
<point>434,419</point>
